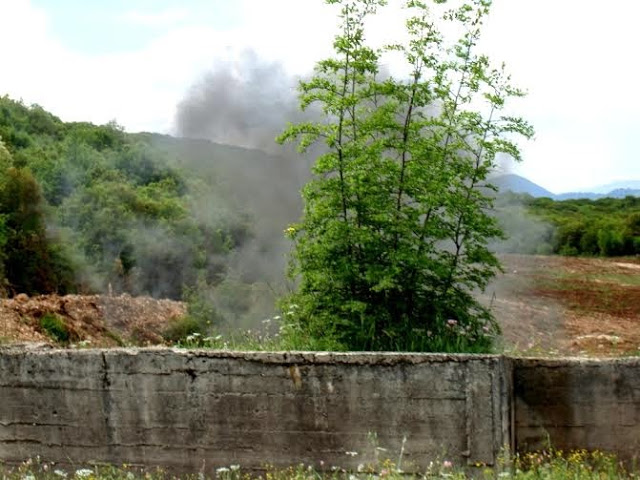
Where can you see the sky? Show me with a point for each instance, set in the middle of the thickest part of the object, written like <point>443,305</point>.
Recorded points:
<point>133,61</point>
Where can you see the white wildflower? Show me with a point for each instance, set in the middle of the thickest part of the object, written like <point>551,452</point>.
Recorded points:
<point>60,473</point>
<point>84,473</point>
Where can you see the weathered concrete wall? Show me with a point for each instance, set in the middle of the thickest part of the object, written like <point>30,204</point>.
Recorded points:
<point>573,403</point>
<point>185,409</point>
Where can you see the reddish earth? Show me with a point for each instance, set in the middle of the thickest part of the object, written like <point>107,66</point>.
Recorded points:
<point>546,305</point>
<point>569,306</point>
<point>91,320</point>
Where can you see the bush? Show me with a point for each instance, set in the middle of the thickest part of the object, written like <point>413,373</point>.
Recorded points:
<point>55,327</point>
<point>183,327</point>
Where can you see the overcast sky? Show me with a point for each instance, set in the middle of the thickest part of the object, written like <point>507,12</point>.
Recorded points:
<point>133,60</point>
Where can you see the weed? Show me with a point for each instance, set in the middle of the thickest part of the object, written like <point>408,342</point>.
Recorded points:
<point>546,465</point>
<point>55,327</point>
<point>180,329</point>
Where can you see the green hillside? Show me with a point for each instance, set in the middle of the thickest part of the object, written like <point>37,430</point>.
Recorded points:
<point>86,208</point>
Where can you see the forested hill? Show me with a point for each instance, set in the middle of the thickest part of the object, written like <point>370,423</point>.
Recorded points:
<point>602,227</point>
<point>86,208</point>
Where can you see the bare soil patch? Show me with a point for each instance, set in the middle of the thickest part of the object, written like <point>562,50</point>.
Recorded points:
<point>569,306</point>
<point>91,320</point>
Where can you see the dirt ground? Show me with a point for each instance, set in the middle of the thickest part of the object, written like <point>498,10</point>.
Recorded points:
<point>545,305</point>
<point>568,306</point>
<point>91,320</point>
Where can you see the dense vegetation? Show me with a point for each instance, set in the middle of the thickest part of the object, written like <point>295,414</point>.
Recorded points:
<point>602,227</point>
<point>87,208</point>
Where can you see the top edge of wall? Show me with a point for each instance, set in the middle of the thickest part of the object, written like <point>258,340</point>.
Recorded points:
<point>288,357</point>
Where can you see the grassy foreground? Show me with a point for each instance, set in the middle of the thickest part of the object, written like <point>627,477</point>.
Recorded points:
<point>577,465</point>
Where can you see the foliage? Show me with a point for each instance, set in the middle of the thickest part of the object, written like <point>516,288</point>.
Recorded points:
<point>31,263</point>
<point>91,208</point>
<point>603,227</point>
<point>55,327</point>
<point>393,241</point>
<point>182,328</point>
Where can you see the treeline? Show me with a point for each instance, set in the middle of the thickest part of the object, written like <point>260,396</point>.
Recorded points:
<point>602,227</point>
<point>86,208</point>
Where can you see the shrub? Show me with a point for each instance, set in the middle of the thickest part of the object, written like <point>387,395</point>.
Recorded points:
<point>55,327</point>
<point>182,327</point>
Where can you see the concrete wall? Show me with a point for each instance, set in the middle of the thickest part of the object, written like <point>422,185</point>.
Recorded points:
<point>592,404</point>
<point>185,409</point>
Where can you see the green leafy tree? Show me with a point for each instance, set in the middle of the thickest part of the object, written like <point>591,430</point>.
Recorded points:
<point>32,263</point>
<point>393,241</point>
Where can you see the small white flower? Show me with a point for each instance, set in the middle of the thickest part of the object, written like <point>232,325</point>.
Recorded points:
<point>234,468</point>
<point>60,473</point>
<point>351,454</point>
<point>84,473</point>
<point>28,476</point>
<point>360,467</point>
<point>222,470</point>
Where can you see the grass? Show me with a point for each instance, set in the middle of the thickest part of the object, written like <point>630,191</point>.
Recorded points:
<point>547,465</point>
<point>55,327</point>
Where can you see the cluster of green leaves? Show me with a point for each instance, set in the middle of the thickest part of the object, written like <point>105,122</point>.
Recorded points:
<point>91,208</point>
<point>603,227</point>
<point>393,241</point>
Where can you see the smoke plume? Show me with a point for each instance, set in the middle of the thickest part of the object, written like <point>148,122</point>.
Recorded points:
<point>246,104</point>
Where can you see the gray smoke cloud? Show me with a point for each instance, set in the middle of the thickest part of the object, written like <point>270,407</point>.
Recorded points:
<point>247,104</point>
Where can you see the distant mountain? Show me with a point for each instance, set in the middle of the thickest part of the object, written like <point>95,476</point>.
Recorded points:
<point>614,186</point>
<point>518,184</point>
<point>617,193</point>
